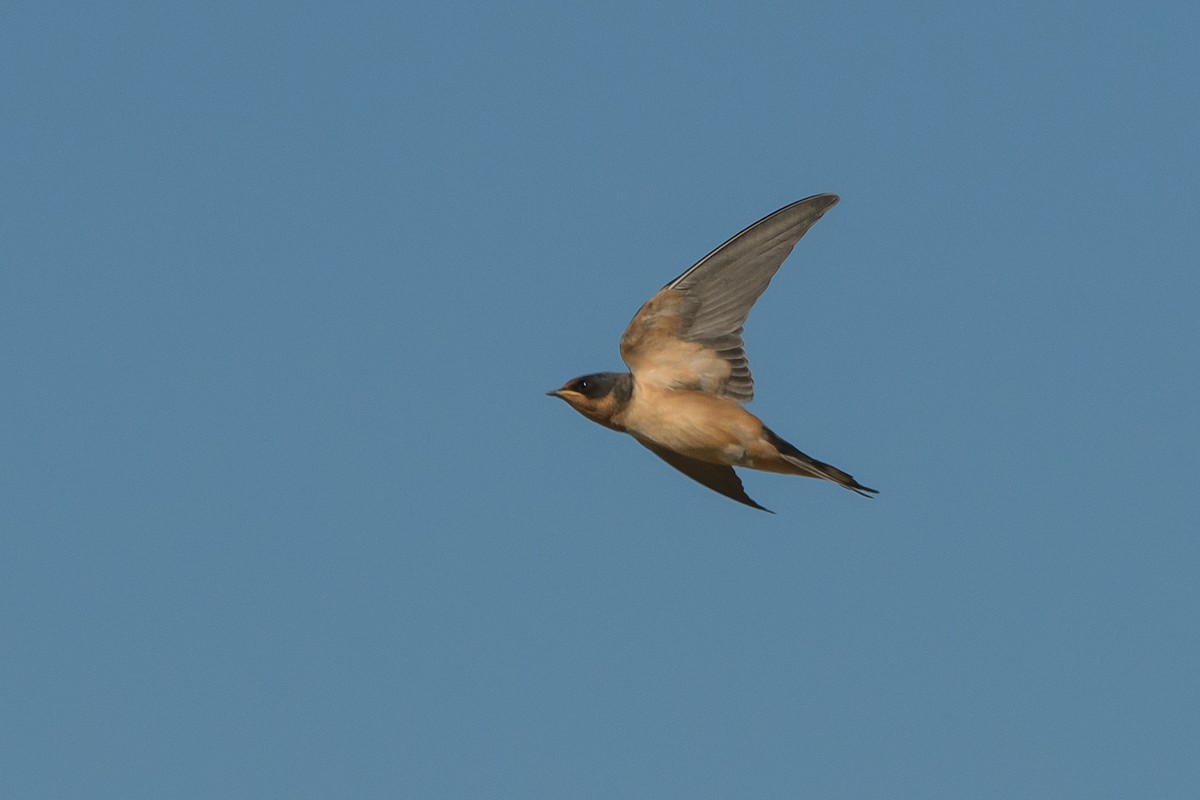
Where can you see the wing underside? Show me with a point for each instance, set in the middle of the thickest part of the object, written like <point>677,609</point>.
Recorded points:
<point>689,334</point>
<point>718,477</point>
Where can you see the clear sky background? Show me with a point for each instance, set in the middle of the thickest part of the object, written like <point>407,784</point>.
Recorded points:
<point>285,512</point>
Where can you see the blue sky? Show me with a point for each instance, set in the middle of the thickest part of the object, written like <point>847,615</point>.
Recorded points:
<point>286,514</point>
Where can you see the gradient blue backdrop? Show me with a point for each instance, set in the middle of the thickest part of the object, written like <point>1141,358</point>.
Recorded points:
<point>285,512</point>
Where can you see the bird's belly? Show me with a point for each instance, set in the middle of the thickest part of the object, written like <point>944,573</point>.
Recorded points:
<point>693,424</point>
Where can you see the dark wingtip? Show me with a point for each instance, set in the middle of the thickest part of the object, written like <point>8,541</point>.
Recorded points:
<point>746,499</point>
<point>829,198</point>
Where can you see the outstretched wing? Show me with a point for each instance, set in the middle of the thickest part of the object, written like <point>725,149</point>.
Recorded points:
<point>718,477</point>
<point>689,334</point>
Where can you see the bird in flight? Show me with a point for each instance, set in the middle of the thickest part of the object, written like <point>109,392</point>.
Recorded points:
<point>688,374</point>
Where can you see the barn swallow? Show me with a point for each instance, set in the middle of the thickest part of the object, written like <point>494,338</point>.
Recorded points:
<point>688,374</point>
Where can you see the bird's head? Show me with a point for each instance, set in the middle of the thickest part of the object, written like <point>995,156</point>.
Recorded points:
<point>598,396</point>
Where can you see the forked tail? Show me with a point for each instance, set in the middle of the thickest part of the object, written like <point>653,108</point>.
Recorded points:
<point>810,467</point>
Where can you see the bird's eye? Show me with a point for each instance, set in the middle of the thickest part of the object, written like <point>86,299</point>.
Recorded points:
<point>584,386</point>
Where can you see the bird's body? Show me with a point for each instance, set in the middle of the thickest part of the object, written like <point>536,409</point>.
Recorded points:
<point>688,371</point>
<point>693,424</point>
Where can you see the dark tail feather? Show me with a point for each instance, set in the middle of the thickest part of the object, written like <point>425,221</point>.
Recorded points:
<point>817,469</point>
